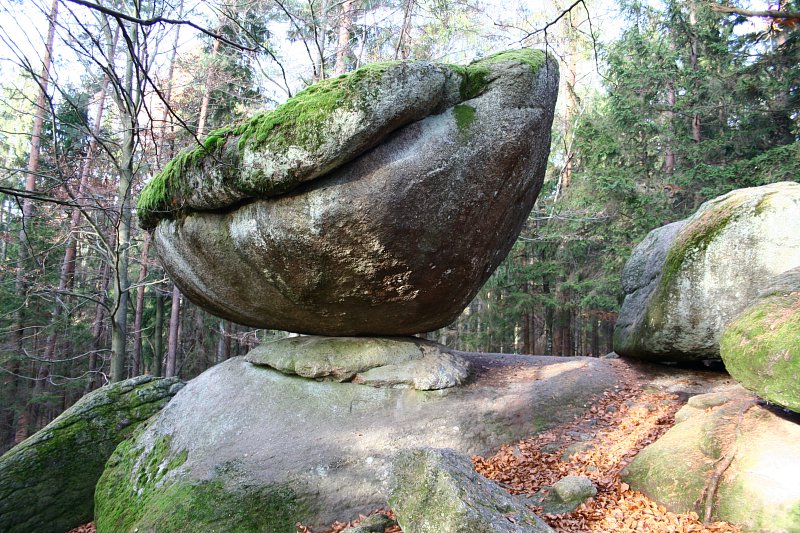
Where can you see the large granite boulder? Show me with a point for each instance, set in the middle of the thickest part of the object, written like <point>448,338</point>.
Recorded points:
<point>391,234</point>
<point>727,458</point>
<point>678,303</point>
<point>761,347</point>
<point>246,448</point>
<point>47,482</point>
<point>439,491</point>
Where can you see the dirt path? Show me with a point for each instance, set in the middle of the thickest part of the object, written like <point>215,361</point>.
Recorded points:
<point>599,445</point>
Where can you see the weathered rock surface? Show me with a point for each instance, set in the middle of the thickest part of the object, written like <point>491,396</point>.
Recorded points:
<point>47,482</point>
<point>715,266</point>
<point>752,451</point>
<point>640,278</point>
<point>438,491</point>
<point>564,496</point>
<point>378,362</point>
<point>394,242</point>
<point>761,347</point>
<point>246,448</point>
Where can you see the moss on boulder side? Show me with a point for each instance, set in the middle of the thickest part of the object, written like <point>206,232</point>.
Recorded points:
<point>758,490</point>
<point>716,264</point>
<point>761,347</point>
<point>47,482</point>
<point>271,449</point>
<point>152,500</point>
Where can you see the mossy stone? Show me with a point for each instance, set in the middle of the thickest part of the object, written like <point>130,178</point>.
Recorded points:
<point>47,482</point>
<point>272,449</point>
<point>357,251</point>
<point>716,265</point>
<point>327,124</point>
<point>438,491</point>
<point>153,498</point>
<point>761,349</point>
<point>402,362</point>
<point>758,491</point>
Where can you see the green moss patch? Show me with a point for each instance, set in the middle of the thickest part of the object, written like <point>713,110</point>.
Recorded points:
<point>761,349</point>
<point>47,483</point>
<point>137,493</point>
<point>475,76</point>
<point>465,116</point>
<point>694,239</point>
<point>299,122</point>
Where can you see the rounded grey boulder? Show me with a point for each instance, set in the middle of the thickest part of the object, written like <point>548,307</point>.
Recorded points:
<point>685,282</point>
<point>394,242</point>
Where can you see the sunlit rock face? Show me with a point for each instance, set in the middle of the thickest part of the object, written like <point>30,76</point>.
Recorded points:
<point>392,236</point>
<point>686,281</point>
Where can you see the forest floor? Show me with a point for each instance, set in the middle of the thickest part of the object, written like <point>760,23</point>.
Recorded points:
<point>597,445</point>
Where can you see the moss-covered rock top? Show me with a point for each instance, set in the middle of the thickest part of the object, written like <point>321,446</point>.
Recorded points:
<point>319,129</point>
<point>761,348</point>
<point>438,491</point>
<point>47,482</point>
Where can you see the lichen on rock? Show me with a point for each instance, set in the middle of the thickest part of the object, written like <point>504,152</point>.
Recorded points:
<point>47,482</point>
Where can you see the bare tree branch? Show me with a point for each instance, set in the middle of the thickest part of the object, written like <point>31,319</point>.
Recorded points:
<point>784,15</point>
<point>161,20</point>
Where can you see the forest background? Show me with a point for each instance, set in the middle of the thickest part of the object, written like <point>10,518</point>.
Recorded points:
<point>663,105</point>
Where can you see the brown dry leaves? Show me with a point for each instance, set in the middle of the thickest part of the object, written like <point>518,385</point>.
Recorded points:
<point>336,527</point>
<point>620,424</point>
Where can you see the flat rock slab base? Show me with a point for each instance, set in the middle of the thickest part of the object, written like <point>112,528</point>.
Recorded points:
<point>397,362</point>
<point>244,447</point>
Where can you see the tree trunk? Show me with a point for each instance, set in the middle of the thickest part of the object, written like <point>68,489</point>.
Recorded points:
<point>20,286</point>
<point>68,263</point>
<point>137,320</point>
<point>128,105</point>
<point>343,46</point>
<point>403,48</point>
<point>694,56</point>
<point>97,328</point>
<point>571,104</point>
<point>158,335</point>
<point>669,152</point>
<point>174,324</point>
<point>201,123</point>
